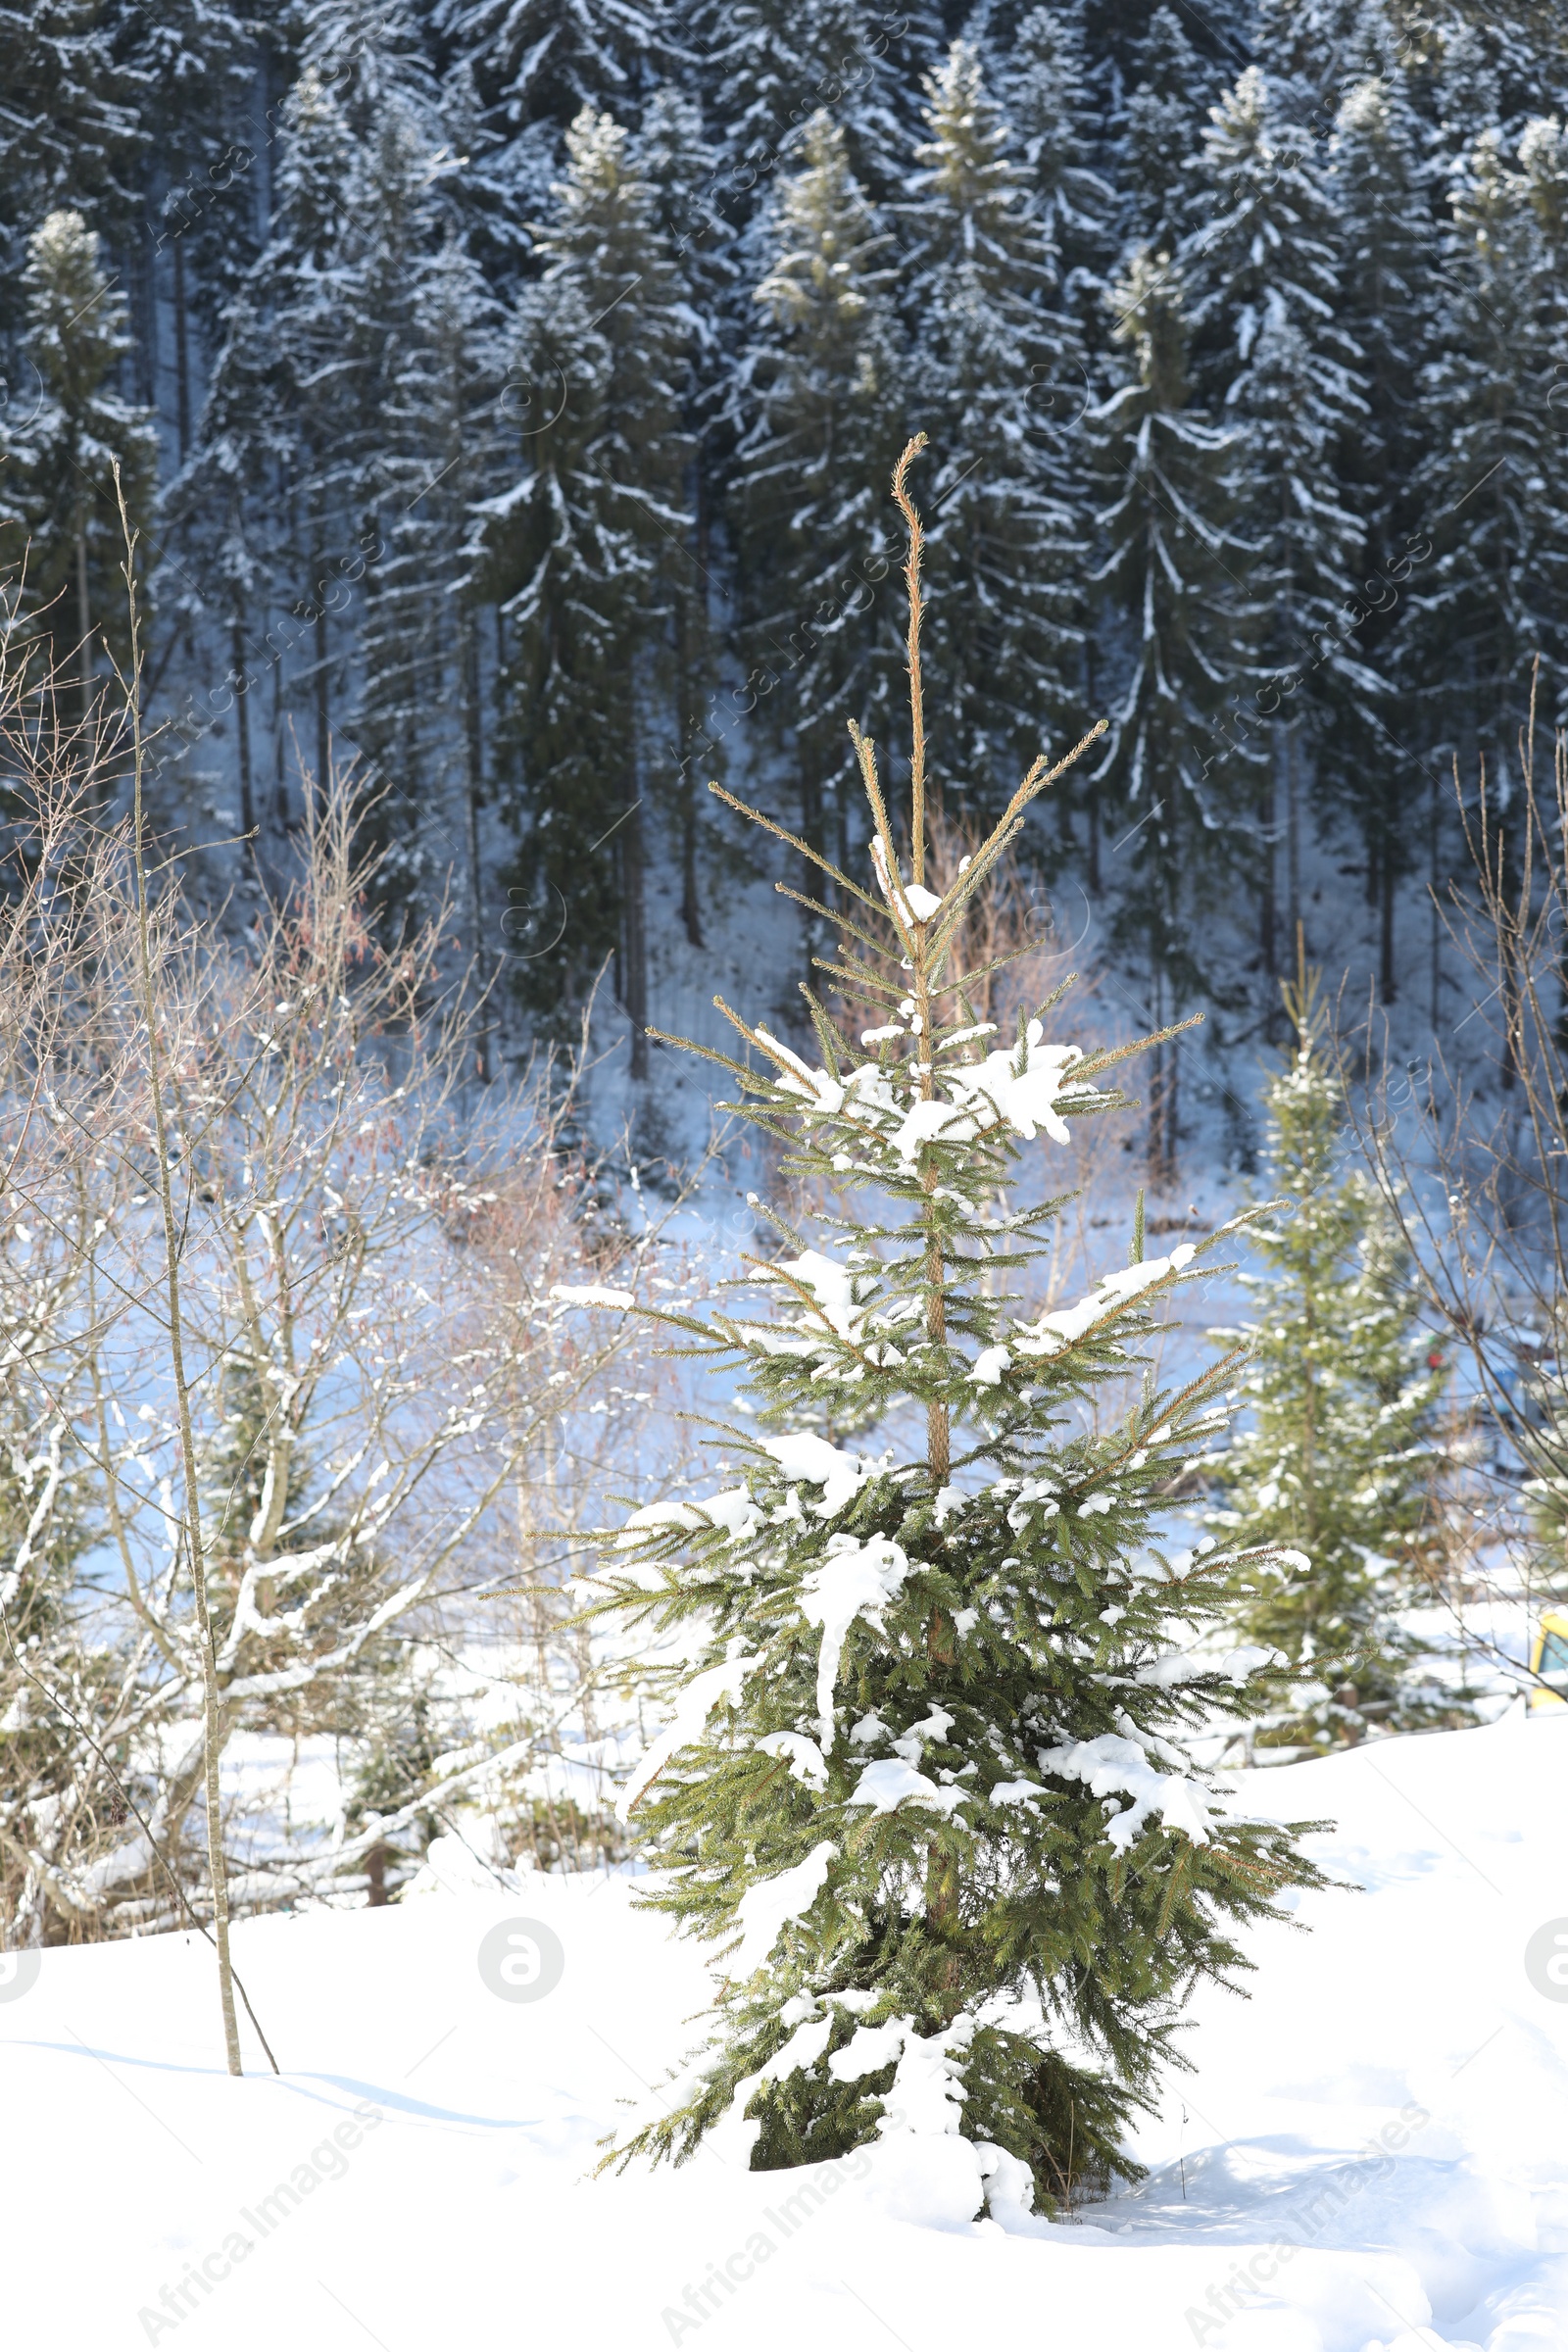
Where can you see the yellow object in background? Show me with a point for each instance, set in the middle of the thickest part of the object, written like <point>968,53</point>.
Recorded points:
<point>1548,1656</point>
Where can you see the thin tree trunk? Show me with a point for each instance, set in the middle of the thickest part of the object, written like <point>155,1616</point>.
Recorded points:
<point>83,613</point>
<point>213,1726</point>
<point>1268,903</point>
<point>691,913</point>
<point>243,722</point>
<point>634,967</point>
<point>181,350</point>
<point>474,748</point>
<point>1431,892</point>
<point>323,731</point>
<point>1387,983</point>
<point>1293,828</point>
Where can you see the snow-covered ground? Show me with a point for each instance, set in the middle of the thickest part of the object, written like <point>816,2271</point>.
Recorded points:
<point>1371,2153</point>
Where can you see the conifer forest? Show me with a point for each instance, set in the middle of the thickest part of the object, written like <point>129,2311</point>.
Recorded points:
<point>783,1096</point>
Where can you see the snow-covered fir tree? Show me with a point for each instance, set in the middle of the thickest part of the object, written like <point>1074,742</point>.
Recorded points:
<point>1164,122</point>
<point>761,69</point>
<point>1335,1461</point>
<point>1174,573</point>
<point>1270,358</point>
<point>61,539</point>
<point>923,1787</point>
<point>1391,303</point>
<point>69,132</point>
<point>1042,77</point>
<point>1494,476</point>
<point>819,403</point>
<point>577,553</point>
<point>999,382</point>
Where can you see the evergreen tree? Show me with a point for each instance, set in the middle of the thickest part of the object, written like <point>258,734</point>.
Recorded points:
<point>59,528</point>
<point>1270,357</point>
<point>1164,117</point>
<point>66,134</point>
<point>925,1767</point>
<point>1173,572</point>
<point>195,227</point>
<point>1042,77</point>
<point>1381,181</point>
<point>543,61</point>
<point>675,155</point>
<point>986,344</point>
<point>1492,476</point>
<point>578,553</point>
<point>1343,1387</point>
<point>819,428</point>
<point>763,68</point>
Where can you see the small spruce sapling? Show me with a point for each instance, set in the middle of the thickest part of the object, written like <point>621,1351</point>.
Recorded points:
<point>1336,1459</point>
<point>921,1783</point>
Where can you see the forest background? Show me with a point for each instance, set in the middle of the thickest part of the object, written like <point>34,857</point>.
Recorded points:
<point>507,393</point>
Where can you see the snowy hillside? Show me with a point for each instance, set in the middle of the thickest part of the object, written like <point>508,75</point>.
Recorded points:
<point>1372,2151</point>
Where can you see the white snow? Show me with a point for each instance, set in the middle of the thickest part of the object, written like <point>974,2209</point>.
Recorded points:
<point>856,1580</point>
<point>1050,1333</point>
<point>1112,1764</point>
<point>840,1475</point>
<point>765,1906</point>
<point>1372,2151</point>
<point>695,1702</point>
<point>892,1781</point>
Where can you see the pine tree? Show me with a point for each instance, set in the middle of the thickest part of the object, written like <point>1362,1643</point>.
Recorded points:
<point>926,1766</point>
<point>819,399</point>
<point>763,68</point>
<point>68,137</point>
<point>578,555</point>
<point>1164,117</point>
<point>1174,576</point>
<point>1343,1387</point>
<point>1492,476</point>
<point>675,155</point>
<point>60,529</point>
<point>1000,380</point>
<point>1392,298</point>
<point>543,61</point>
<point>1043,77</point>
<point>1270,357</point>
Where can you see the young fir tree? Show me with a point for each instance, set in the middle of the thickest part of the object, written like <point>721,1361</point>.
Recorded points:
<point>926,1766</point>
<point>1343,1387</point>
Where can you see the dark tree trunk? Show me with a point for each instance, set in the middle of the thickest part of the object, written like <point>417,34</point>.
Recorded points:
<point>181,350</point>
<point>1387,984</point>
<point>634,961</point>
<point>474,748</point>
<point>242,723</point>
<point>83,613</point>
<point>324,730</point>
